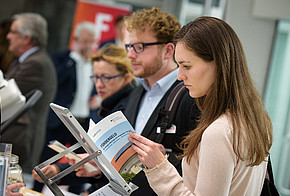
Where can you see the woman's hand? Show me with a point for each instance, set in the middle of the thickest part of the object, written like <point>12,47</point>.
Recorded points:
<point>11,187</point>
<point>149,152</point>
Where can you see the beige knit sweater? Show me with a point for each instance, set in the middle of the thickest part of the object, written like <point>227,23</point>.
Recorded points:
<point>215,171</point>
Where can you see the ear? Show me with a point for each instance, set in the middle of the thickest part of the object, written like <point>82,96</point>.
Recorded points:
<point>27,39</point>
<point>169,51</point>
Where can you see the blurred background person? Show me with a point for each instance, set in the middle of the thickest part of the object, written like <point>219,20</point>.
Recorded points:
<point>74,90</point>
<point>119,40</point>
<point>121,33</point>
<point>113,78</point>
<point>33,69</point>
<point>114,81</point>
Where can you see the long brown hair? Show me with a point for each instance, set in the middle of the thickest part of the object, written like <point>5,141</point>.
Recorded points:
<point>233,91</point>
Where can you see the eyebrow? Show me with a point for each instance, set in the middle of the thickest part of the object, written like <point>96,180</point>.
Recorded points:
<point>180,62</point>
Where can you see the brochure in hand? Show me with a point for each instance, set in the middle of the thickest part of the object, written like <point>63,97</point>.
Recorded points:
<point>111,137</point>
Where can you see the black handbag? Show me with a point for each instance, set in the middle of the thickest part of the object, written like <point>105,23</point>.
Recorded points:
<point>269,188</point>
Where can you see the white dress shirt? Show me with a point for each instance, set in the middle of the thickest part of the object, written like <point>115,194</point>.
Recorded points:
<point>84,69</point>
<point>152,97</point>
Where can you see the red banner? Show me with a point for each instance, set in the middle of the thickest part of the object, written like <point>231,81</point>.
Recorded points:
<point>102,15</point>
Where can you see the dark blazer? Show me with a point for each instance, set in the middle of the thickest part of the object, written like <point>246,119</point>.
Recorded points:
<point>27,135</point>
<point>66,84</point>
<point>185,121</point>
<point>116,102</point>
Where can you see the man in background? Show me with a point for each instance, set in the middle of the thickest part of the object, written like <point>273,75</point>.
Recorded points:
<point>121,33</point>
<point>33,69</point>
<point>74,90</point>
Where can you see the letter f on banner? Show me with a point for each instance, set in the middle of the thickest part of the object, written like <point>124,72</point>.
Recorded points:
<point>101,26</point>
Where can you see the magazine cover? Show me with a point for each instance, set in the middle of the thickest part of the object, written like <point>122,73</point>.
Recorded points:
<point>111,137</point>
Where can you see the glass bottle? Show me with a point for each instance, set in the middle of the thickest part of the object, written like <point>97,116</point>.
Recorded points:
<point>15,171</point>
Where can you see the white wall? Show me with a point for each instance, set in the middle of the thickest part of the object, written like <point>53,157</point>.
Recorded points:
<point>278,9</point>
<point>256,35</point>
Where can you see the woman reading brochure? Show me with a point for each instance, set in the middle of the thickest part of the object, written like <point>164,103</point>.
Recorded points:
<point>228,151</point>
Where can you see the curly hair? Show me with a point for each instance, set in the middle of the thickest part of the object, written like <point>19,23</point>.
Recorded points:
<point>164,25</point>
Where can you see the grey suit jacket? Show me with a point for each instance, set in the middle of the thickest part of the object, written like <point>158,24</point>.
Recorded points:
<point>27,135</point>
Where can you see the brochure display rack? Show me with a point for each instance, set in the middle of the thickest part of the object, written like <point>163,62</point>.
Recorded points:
<point>99,153</point>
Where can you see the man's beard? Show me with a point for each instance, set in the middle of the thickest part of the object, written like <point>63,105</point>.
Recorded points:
<point>151,69</point>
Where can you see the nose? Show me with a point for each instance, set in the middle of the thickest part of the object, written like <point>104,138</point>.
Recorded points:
<point>99,83</point>
<point>8,35</point>
<point>89,44</point>
<point>131,53</point>
<point>180,75</point>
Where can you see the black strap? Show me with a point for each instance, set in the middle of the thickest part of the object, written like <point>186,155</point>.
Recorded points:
<point>269,171</point>
<point>168,112</point>
<point>269,188</point>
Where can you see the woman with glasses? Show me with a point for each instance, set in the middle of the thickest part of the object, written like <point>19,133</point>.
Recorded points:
<point>113,78</point>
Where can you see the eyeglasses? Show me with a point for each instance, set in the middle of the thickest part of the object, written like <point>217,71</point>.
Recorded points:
<point>13,32</point>
<point>105,79</point>
<point>139,47</point>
